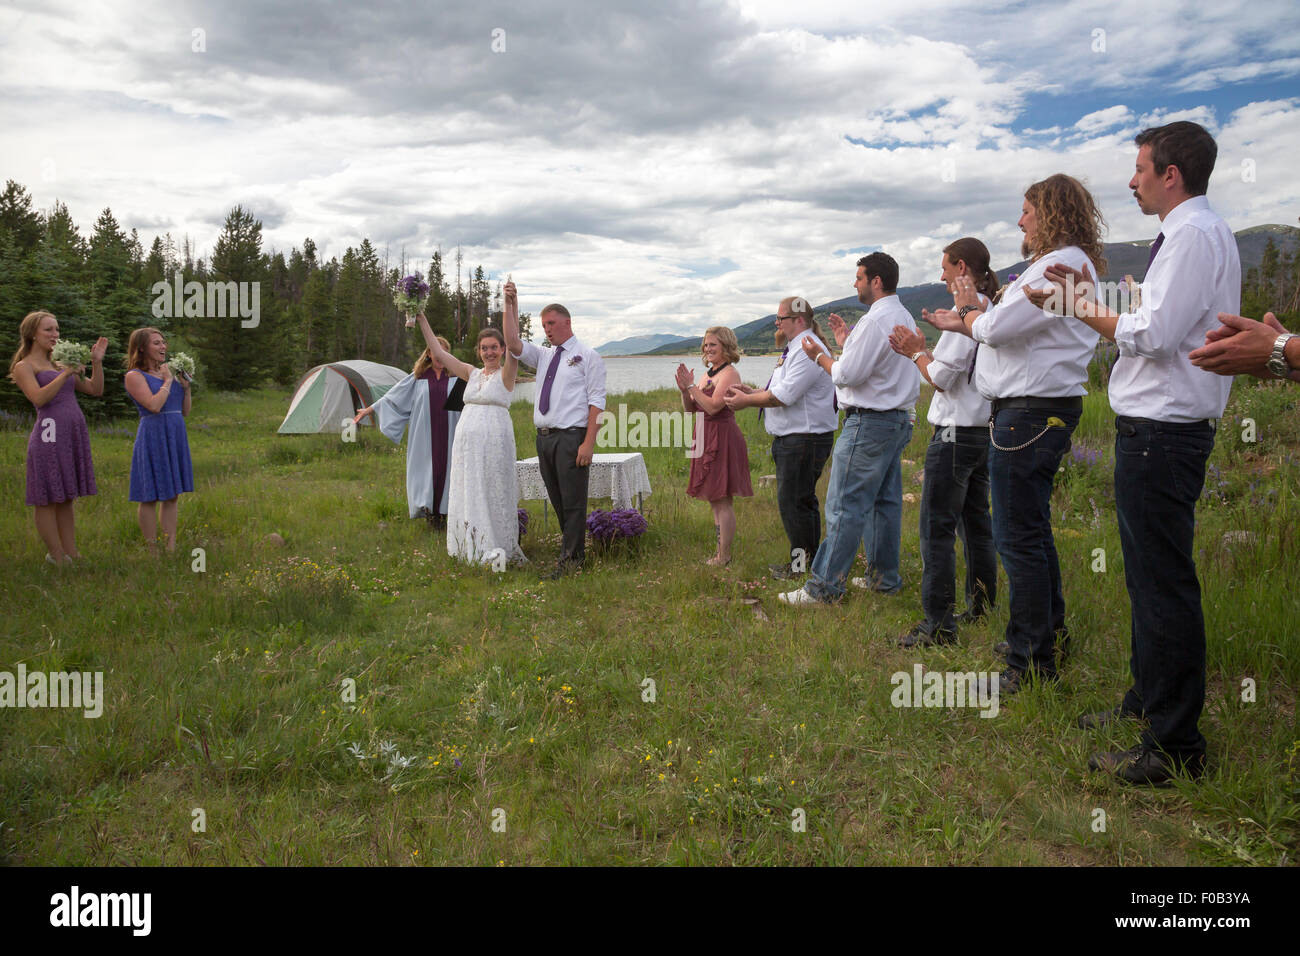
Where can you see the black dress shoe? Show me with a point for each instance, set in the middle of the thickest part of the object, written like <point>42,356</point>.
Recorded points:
<point>563,569</point>
<point>1062,646</point>
<point>1002,649</point>
<point>1145,766</point>
<point>1009,683</point>
<point>972,617</point>
<point>919,636</point>
<point>1103,718</point>
<point>782,572</point>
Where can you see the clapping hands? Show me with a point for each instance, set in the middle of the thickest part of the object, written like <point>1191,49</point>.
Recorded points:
<point>684,377</point>
<point>839,328</point>
<point>905,341</point>
<point>735,397</point>
<point>945,320</point>
<point>1068,287</point>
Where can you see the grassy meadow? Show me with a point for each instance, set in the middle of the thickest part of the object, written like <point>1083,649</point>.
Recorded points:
<point>499,720</point>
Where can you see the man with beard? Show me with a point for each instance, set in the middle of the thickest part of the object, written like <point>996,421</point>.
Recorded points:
<point>877,389</point>
<point>798,408</point>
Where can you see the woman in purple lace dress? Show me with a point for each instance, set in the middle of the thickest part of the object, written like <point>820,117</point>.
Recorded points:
<point>160,461</point>
<point>59,469</point>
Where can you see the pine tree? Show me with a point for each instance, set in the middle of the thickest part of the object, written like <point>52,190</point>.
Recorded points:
<point>236,353</point>
<point>116,304</point>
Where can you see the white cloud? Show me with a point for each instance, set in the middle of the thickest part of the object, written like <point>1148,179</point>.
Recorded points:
<point>1099,120</point>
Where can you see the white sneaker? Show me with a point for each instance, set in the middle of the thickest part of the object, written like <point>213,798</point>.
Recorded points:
<point>800,597</point>
<point>864,583</point>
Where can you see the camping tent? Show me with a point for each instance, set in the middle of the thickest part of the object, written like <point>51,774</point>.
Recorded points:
<point>329,393</point>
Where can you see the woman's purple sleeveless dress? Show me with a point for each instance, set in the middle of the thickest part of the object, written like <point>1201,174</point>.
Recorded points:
<point>58,452</point>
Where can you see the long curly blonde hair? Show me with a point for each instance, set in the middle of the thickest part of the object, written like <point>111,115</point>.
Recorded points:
<point>1067,216</point>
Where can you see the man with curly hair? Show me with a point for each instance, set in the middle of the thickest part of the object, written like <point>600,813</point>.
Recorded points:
<point>1032,368</point>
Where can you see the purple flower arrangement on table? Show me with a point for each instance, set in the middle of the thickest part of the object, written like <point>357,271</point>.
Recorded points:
<point>608,526</point>
<point>523,522</point>
<point>411,294</point>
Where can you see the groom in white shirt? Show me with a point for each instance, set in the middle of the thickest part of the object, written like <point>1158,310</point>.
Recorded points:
<point>567,401</point>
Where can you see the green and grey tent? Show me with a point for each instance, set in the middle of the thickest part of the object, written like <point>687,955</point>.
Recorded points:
<point>330,393</point>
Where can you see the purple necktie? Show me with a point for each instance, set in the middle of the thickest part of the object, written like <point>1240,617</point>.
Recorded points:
<point>544,402</point>
<point>1155,247</point>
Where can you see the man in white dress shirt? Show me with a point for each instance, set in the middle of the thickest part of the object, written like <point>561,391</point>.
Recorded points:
<point>877,389</point>
<point>799,413</point>
<point>568,399</point>
<point>955,493</point>
<point>1032,367</point>
<point>1166,410</point>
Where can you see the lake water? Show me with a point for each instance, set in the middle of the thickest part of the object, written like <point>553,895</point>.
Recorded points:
<point>645,373</point>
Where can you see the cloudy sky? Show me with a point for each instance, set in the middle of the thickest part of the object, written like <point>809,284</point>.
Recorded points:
<point>657,166</point>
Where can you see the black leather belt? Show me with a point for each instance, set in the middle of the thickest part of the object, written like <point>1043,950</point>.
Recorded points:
<point>1128,421</point>
<point>556,431</point>
<point>1075,403</point>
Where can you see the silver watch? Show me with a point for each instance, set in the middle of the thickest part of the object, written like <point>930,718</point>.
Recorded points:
<point>1277,363</point>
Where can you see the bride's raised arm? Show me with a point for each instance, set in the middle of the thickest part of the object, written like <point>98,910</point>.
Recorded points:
<point>448,361</point>
<point>510,326</point>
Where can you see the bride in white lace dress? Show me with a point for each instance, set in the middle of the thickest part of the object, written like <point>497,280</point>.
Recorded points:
<point>483,495</point>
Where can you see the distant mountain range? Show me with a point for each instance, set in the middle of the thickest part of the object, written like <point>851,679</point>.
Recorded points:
<point>638,344</point>
<point>1122,258</point>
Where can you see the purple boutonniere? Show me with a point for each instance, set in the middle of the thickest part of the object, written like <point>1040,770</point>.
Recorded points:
<point>577,359</point>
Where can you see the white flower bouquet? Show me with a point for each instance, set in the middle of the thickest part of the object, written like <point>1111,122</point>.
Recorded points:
<point>183,364</point>
<point>70,353</point>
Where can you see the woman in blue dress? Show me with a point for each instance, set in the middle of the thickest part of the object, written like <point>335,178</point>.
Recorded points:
<point>160,462</point>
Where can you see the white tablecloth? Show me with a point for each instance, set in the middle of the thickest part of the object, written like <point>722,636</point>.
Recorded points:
<point>622,478</point>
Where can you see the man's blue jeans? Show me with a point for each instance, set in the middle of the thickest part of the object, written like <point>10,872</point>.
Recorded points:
<point>866,490</point>
<point>1022,529</point>
<point>955,501</point>
<point>1159,472</point>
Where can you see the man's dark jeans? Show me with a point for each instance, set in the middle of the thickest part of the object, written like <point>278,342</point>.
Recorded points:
<point>1159,472</point>
<point>799,462</point>
<point>1022,529</point>
<point>955,501</point>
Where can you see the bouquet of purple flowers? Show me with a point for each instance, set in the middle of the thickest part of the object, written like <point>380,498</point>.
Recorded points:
<point>607,526</point>
<point>411,295</point>
<point>523,522</point>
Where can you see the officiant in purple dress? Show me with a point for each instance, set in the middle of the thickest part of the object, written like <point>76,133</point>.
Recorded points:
<point>426,405</point>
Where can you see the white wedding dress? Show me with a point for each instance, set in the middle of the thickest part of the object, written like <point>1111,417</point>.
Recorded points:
<point>482,508</point>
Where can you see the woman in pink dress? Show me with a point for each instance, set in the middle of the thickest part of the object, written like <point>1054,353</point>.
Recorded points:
<point>59,469</point>
<point>721,469</point>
